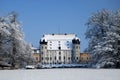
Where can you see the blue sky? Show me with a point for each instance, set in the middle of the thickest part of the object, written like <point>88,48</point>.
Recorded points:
<point>40,17</point>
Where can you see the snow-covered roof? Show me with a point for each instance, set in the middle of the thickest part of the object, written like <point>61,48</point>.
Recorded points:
<point>35,50</point>
<point>54,41</point>
<point>58,36</point>
<point>76,38</point>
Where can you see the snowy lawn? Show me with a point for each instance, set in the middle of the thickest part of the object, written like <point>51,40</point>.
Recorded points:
<point>61,74</point>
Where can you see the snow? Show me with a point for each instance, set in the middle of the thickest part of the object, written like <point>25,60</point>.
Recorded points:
<point>61,74</point>
<point>56,40</point>
<point>59,36</point>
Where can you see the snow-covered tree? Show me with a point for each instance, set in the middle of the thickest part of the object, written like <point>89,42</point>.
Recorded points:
<point>103,33</point>
<point>13,48</point>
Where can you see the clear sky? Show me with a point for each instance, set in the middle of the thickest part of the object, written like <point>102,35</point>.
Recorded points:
<point>40,17</point>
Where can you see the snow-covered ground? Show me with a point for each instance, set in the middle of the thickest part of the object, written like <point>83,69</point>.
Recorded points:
<point>61,74</point>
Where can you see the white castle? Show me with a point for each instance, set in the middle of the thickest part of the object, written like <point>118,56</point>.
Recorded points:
<point>60,49</point>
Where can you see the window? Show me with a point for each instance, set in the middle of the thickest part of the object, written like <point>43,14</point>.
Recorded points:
<point>47,58</point>
<point>50,44</point>
<point>42,58</point>
<point>59,48</point>
<point>77,58</point>
<point>59,53</point>
<point>87,58</point>
<point>68,58</point>
<point>41,52</point>
<point>59,57</point>
<point>35,51</point>
<point>50,58</point>
<point>55,57</point>
<point>36,58</point>
<point>76,47</point>
<point>45,47</point>
<point>42,47</point>
<point>44,62</point>
<point>64,57</point>
<point>68,45</point>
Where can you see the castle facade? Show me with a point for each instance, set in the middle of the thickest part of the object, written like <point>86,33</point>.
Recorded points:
<point>60,49</point>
